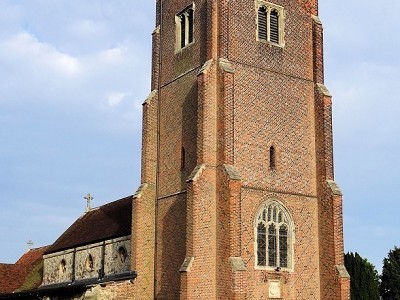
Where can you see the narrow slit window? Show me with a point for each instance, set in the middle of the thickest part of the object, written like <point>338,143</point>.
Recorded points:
<point>89,263</point>
<point>183,158</point>
<point>272,158</point>
<point>62,268</point>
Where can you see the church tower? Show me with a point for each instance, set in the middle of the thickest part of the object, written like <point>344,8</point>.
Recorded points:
<point>238,199</point>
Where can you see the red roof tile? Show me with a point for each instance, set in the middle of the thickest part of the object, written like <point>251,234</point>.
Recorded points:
<point>105,222</point>
<point>13,275</point>
<point>31,256</point>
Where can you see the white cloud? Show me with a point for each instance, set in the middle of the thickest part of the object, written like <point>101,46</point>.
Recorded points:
<point>113,55</point>
<point>115,99</point>
<point>26,49</point>
<point>88,28</point>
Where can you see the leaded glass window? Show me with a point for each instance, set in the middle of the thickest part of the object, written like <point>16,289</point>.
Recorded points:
<point>272,243</point>
<point>274,236</point>
<point>262,242</point>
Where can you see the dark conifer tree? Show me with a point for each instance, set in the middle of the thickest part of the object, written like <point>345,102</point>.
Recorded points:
<point>364,282</point>
<point>390,278</point>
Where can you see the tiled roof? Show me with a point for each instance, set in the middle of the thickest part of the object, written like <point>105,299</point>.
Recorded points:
<point>12,276</point>
<point>105,222</point>
<point>31,257</point>
<point>34,278</point>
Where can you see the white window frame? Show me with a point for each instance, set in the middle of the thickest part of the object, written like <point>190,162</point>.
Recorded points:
<point>178,38</point>
<point>288,221</point>
<point>281,22</point>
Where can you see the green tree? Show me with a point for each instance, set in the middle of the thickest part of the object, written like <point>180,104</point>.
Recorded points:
<point>364,279</point>
<point>390,278</point>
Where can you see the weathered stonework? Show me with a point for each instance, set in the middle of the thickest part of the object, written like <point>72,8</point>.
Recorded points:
<point>105,256</point>
<point>51,269</point>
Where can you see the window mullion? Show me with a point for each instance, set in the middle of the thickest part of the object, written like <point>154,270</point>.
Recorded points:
<point>266,245</point>
<point>268,24</point>
<point>186,28</point>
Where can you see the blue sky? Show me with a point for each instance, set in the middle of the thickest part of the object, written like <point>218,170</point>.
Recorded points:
<point>73,75</point>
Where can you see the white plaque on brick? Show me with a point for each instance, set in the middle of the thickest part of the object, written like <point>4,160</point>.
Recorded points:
<point>274,289</point>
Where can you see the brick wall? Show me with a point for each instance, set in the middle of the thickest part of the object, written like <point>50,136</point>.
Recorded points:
<point>225,100</point>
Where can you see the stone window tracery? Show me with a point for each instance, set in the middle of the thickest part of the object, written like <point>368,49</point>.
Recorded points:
<point>270,23</point>
<point>274,237</point>
<point>184,28</point>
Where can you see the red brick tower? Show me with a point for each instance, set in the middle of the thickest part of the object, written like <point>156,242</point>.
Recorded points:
<point>237,198</point>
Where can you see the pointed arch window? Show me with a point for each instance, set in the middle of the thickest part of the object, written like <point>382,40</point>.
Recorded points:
<point>262,23</point>
<point>62,268</point>
<point>274,26</point>
<point>272,158</point>
<point>89,264</point>
<point>270,23</point>
<point>183,158</point>
<point>184,28</point>
<point>274,237</point>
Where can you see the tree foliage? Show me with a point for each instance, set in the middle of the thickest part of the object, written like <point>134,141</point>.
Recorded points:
<point>390,278</point>
<point>364,279</point>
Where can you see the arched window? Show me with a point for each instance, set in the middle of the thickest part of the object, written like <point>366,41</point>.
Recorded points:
<point>183,158</point>
<point>270,23</point>
<point>62,268</point>
<point>262,23</point>
<point>272,158</point>
<point>184,22</point>
<point>274,26</point>
<point>274,236</point>
<point>122,255</point>
<point>89,265</point>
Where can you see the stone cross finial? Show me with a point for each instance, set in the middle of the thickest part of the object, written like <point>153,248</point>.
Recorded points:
<point>88,198</point>
<point>30,245</point>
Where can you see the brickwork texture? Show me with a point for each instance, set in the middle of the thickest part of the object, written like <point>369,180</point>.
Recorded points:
<point>217,107</point>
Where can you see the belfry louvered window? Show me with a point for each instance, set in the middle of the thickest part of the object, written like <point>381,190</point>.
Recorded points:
<point>262,23</point>
<point>274,237</point>
<point>274,26</point>
<point>270,23</point>
<point>184,28</point>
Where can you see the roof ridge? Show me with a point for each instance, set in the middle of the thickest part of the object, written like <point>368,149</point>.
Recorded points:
<point>109,220</point>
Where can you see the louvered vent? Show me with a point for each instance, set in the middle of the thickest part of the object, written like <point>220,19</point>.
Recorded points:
<point>262,23</point>
<point>183,31</point>
<point>190,19</point>
<point>274,24</point>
